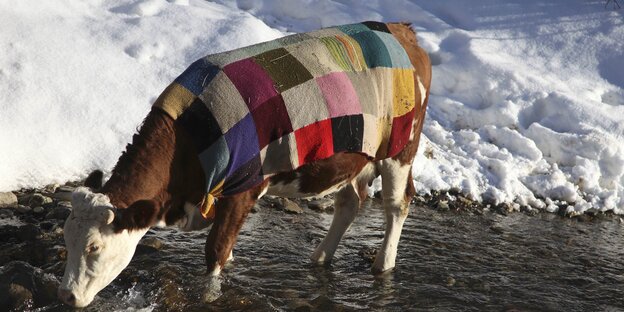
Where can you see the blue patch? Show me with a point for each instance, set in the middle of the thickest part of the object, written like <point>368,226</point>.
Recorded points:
<point>374,49</point>
<point>399,57</point>
<point>197,76</point>
<point>214,160</point>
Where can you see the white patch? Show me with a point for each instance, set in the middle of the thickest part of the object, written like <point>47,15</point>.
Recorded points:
<point>230,256</point>
<point>285,190</point>
<point>394,179</point>
<point>95,253</point>
<point>292,190</point>
<point>193,219</point>
<point>264,191</point>
<point>216,271</point>
<point>423,91</point>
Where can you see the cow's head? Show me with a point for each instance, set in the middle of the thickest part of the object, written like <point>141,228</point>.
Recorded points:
<point>100,242</point>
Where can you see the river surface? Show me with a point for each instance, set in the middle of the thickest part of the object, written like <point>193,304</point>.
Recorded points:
<point>448,261</point>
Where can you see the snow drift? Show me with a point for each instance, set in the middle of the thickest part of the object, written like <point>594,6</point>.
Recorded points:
<point>527,102</point>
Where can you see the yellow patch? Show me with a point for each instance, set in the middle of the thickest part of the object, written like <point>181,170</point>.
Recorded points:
<point>404,95</point>
<point>175,100</point>
<point>207,208</point>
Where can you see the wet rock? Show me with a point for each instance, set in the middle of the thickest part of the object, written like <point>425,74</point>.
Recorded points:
<point>450,281</point>
<point>51,188</point>
<point>497,229</point>
<point>368,254</point>
<point>149,245</point>
<point>23,209</point>
<point>59,213</point>
<point>38,210</point>
<point>46,225</point>
<point>37,200</point>
<point>22,298</point>
<point>6,213</point>
<point>28,232</point>
<point>290,206</point>
<point>25,287</point>
<point>443,205</point>
<point>65,189</point>
<point>7,199</point>
<point>62,196</point>
<point>320,204</point>
<point>272,201</point>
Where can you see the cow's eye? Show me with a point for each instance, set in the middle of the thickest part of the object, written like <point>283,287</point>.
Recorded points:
<point>93,248</point>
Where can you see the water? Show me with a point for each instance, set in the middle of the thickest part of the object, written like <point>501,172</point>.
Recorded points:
<point>448,261</point>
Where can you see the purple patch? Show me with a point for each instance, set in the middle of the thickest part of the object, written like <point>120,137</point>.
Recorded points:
<point>242,142</point>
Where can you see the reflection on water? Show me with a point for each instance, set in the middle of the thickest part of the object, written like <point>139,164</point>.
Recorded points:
<point>450,261</point>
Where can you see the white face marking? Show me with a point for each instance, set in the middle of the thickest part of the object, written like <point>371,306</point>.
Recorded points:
<point>423,91</point>
<point>95,253</point>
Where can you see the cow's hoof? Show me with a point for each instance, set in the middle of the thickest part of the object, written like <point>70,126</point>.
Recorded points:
<point>213,290</point>
<point>381,271</point>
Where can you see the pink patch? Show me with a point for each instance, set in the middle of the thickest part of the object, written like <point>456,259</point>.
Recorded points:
<point>339,95</point>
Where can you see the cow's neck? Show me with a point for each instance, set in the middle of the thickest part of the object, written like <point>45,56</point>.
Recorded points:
<point>143,170</point>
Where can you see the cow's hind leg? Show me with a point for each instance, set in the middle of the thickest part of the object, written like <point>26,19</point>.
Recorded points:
<point>347,202</point>
<point>397,191</point>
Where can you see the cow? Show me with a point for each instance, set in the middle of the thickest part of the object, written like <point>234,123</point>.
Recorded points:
<point>302,116</point>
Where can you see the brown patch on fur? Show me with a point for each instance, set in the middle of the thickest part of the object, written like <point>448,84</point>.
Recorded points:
<point>141,214</point>
<point>410,191</point>
<point>161,165</point>
<point>230,214</point>
<point>321,175</point>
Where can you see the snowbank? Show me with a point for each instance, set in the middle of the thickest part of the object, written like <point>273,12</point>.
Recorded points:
<point>527,102</point>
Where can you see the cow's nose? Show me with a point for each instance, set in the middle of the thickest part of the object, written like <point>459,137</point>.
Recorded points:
<point>67,296</point>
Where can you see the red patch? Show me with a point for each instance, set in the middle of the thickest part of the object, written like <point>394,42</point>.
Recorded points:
<point>272,121</point>
<point>315,141</point>
<point>401,130</point>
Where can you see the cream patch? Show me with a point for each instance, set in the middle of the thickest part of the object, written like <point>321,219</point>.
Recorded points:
<point>422,90</point>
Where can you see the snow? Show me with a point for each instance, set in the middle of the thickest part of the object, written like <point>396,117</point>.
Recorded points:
<point>526,106</point>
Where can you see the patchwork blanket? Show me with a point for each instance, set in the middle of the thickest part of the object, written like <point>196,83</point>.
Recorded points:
<point>275,106</point>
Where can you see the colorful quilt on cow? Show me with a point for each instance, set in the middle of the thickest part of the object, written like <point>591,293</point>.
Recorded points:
<point>272,107</point>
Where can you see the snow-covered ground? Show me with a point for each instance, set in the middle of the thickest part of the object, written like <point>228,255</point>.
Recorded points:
<point>527,101</point>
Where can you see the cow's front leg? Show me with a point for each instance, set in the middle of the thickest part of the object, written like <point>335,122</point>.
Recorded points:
<point>230,214</point>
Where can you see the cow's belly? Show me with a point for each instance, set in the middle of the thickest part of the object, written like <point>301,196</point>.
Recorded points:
<point>320,178</point>
<point>293,189</point>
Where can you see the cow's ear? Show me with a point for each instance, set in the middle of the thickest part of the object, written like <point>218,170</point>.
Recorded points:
<point>94,180</point>
<point>140,215</point>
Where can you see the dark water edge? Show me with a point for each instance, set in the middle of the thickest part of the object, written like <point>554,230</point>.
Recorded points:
<point>455,260</point>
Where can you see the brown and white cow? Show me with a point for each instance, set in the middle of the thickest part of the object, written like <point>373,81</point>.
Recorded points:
<point>159,180</point>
